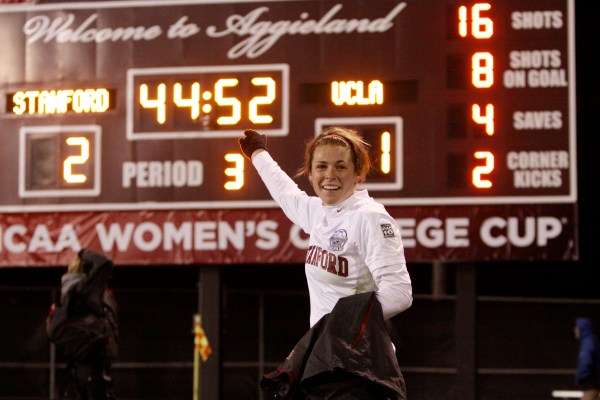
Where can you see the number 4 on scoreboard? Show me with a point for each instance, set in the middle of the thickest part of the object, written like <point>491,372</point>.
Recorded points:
<point>486,119</point>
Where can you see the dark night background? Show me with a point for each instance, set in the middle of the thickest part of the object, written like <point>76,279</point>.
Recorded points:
<point>158,301</point>
<point>572,279</point>
<point>587,130</point>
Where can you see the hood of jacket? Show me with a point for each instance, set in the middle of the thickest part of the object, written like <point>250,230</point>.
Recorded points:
<point>585,326</point>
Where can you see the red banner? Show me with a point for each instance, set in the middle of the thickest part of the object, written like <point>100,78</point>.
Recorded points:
<point>461,233</point>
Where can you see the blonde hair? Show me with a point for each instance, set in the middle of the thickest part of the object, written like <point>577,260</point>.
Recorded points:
<point>75,265</point>
<point>344,137</point>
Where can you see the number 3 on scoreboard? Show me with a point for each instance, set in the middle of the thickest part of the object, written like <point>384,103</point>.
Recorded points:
<point>236,172</point>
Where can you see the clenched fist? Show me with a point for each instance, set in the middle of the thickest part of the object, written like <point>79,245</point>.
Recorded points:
<point>251,142</point>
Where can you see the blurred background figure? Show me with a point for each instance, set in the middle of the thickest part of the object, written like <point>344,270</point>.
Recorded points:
<point>587,375</point>
<point>84,326</point>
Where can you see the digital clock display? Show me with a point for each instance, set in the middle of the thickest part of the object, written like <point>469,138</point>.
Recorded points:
<point>209,102</point>
<point>462,102</point>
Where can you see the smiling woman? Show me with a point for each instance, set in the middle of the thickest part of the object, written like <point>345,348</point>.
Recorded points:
<point>355,248</point>
<point>332,172</point>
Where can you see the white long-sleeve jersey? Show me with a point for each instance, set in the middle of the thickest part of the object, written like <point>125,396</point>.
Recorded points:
<point>354,247</point>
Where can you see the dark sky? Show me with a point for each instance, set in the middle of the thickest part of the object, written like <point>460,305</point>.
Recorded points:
<point>588,108</point>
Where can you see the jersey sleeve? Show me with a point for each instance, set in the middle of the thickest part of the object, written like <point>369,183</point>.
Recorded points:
<point>384,256</point>
<point>294,202</point>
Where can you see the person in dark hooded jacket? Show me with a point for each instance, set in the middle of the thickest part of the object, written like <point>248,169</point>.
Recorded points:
<point>85,296</point>
<point>587,375</point>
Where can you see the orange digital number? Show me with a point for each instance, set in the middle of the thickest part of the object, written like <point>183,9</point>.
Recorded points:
<point>481,27</point>
<point>80,159</point>
<point>236,172</point>
<point>481,170</point>
<point>486,119</point>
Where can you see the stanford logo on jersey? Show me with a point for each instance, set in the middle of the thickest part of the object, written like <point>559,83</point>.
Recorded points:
<point>338,240</point>
<point>327,261</point>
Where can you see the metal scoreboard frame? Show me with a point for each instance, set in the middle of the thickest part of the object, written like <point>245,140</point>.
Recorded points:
<point>485,81</point>
<point>128,107</point>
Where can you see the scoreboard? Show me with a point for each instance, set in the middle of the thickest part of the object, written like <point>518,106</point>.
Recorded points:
<point>138,105</point>
<point>119,123</point>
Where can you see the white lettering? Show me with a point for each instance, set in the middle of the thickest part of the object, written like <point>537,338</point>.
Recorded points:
<point>429,233</point>
<point>114,236</point>
<point>544,78</point>
<point>547,228</point>
<point>59,29</point>
<point>233,235</point>
<point>457,232</point>
<point>181,236</point>
<point>262,35</point>
<point>536,19</point>
<point>204,235</point>
<point>537,169</point>
<point>67,239</point>
<point>268,239</point>
<point>147,236</point>
<point>181,30</point>
<point>497,232</point>
<point>14,239</point>
<point>543,69</point>
<point>525,59</point>
<point>177,173</point>
<point>407,231</point>
<point>11,235</point>
<point>537,159</point>
<point>514,79</point>
<point>434,232</point>
<point>537,179</point>
<point>537,120</point>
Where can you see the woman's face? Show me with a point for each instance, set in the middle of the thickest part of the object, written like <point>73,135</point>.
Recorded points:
<point>332,173</point>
